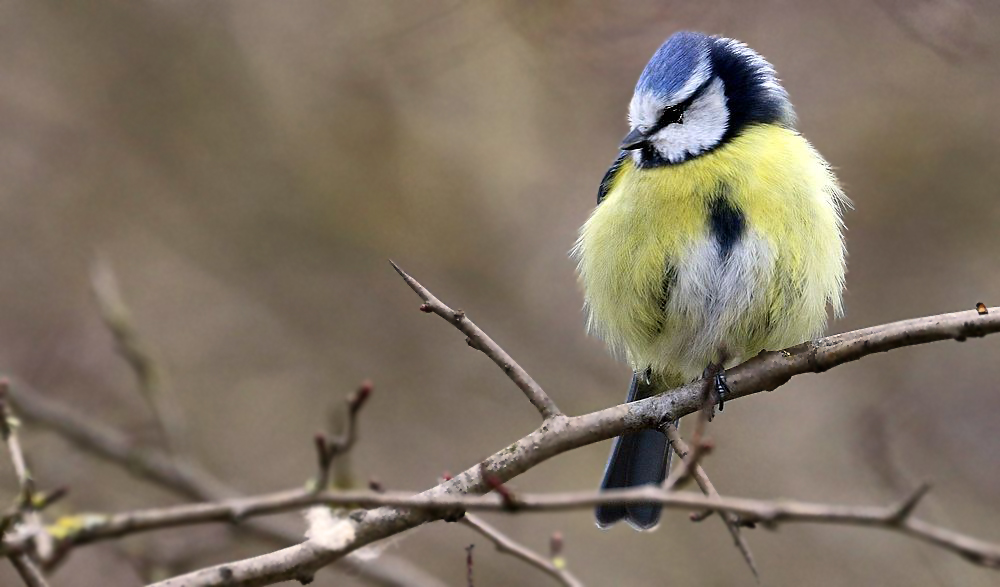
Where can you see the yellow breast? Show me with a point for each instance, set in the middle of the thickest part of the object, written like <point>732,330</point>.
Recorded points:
<point>660,290</point>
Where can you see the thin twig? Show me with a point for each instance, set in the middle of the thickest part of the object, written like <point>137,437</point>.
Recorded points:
<point>480,341</point>
<point>692,468</point>
<point>508,545</point>
<point>349,436</point>
<point>28,571</point>
<point>769,513</point>
<point>690,457</point>
<point>151,377</point>
<point>8,424</point>
<point>25,508</point>
<point>328,449</point>
<point>188,479</point>
<point>468,565</point>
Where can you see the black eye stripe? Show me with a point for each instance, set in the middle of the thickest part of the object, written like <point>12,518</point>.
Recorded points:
<point>674,114</point>
<point>669,116</point>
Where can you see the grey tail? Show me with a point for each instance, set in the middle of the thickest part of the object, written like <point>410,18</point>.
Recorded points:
<point>638,458</point>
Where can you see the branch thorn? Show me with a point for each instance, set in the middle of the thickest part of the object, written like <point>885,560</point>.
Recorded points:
<point>905,508</point>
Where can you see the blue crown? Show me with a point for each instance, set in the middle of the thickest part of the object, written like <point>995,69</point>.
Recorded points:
<point>674,63</point>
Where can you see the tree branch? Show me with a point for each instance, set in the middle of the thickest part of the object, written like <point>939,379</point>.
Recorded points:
<point>25,508</point>
<point>188,480</point>
<point>559,433</point>
<point>480,341</point>
<point>175,469</point>
<point>769,513</point>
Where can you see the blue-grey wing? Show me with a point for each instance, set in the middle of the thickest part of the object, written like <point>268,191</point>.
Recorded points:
<point>609,177</point>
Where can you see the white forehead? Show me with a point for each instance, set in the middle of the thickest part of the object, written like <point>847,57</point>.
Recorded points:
<point>646,105</point>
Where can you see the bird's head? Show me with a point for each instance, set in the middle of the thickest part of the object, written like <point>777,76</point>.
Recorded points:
<point>696,93</point>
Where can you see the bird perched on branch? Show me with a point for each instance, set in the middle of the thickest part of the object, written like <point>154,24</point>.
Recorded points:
<point>717,234</point>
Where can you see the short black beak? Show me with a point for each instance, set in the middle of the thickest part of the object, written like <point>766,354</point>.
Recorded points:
<point>634,140</point>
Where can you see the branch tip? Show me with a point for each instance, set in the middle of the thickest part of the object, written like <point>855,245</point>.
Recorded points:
<point>905,509</point>
<point>357,400</point>
<point>556,544</point>
<point>410,281</point>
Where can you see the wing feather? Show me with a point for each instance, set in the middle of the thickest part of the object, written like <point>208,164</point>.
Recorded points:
<point>609,177</point>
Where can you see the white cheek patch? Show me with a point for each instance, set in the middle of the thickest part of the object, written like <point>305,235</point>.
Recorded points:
<point>703,126</point>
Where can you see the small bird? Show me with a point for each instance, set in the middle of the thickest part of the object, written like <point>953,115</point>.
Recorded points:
<point>717,235</point>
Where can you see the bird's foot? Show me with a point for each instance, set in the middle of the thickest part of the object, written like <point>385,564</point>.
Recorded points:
<point>719,388</point>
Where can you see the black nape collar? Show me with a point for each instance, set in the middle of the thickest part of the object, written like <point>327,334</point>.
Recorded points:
<point>748,99</point>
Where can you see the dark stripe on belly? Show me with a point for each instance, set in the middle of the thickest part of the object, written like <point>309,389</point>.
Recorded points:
<point>726,221</point>
<point>666,290</point>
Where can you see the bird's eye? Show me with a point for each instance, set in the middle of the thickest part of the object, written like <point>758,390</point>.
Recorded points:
<point>670,115</point>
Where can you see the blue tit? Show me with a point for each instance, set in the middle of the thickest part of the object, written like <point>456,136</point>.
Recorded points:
<point>717,234</point>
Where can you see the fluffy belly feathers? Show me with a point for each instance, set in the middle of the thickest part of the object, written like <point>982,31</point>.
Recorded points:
<point>733,252</point>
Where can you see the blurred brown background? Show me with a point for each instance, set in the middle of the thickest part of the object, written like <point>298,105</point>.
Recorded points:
<point>249,167</point>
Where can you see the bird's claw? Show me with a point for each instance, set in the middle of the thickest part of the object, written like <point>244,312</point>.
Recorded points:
<point>721,388</point>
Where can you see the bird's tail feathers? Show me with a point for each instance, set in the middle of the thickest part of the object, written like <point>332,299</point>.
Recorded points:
<point>638,458</point>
